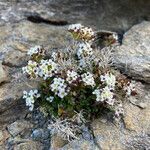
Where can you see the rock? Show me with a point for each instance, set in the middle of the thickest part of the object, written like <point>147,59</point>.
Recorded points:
<point>15,59</point>
<point>29,145</point>
<point>111,15</point>
<point>139,142</point>
<point>108,136</point>
<point>81,144</point>
<point>3,74</point>
<point>24,35</point>
<point>10,93</point>
<point>57,142</point>
<point>40,134</point>
<point>18,126</point>
<point>3,136</point>
<point>137,119</point>
<point>2,147</point>
<point>133,56</point>
<point>142,105</point>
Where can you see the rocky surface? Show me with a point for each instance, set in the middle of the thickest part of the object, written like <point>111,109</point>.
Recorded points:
<point>103,14</point>
<point>3,74</point>
<point>133,56</point>
<point>26,23</point>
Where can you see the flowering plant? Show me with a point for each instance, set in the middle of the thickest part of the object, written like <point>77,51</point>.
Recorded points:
<point>77,78</point>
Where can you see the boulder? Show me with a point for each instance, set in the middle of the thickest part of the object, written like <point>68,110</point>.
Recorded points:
<point>133,56</point>
<point>18,126</point>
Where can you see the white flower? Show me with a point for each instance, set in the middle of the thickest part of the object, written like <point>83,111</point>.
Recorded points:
<point>107,95</point>
<point>115,36</point>
<point>75,27</point>
<point>86,31</point>
<point>129,88</point>
<point>71,76</point>
<point>98,95</point>
<point>88,79</point>
<point>30,98</point>
<point>59,87</point>
<point>84,50</point>
<point>54,56</point>
<point>82,32</point>
<point>34,50</point>
<point>47,68</point>
<point>104,95</point>
<point>119,110</point>
<point>109,79</point>
<point>50,99</point>
<point>31,69</point>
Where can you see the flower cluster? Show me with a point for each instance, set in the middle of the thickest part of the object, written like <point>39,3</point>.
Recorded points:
<point>44,69</point>
<point>31,69</point>
<point>119,110</point>
<point>50,99</point>
<point>72,76</point>
<point>109,79</point>
<point>36,50</point>
<point>88,79</point>
<point>81,32</point>
<point>129,88</point>
<point>84,50</point>
<point>47,68</point>
<point>104,95</point>
<point>30,98</point>
<point>59,87</point>
<point>76,78</point>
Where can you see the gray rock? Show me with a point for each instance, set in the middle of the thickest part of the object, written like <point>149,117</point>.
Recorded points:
<point>18,126</point>
<point>81,144</point>
<point>15,59</point>
<point>103,14</point>
<point>3,74</point>
<point>29,145</point>
<point>139,142</point>
<point>57,142</point>
<point>40,134</point>
<point>133,56</point>
<point>21,36</point>
<point>11,93</point>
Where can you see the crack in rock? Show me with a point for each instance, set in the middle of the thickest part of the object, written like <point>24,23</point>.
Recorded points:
<point>39,19</point>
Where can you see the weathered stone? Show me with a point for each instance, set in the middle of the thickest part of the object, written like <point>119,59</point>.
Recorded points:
<point>15,59</point>
<point>10,93</point>
<point>2,147</point>
<point>25,35</point>
<point>133,56</point>
<point>81,144</point>
<point>140,142</point>
<point>40,134</point>
<point>3,74</point>
<point>3,136</point>
<point>29,145</point>
<point>137,119</point>
<point>18,126</point>
<point>103,14</point>
<point>57,142</point>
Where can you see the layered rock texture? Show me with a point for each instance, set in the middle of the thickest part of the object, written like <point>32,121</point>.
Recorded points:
<point>26,23</point>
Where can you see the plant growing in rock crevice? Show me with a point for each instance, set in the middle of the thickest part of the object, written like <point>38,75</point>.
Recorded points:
<point>77,78</point>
